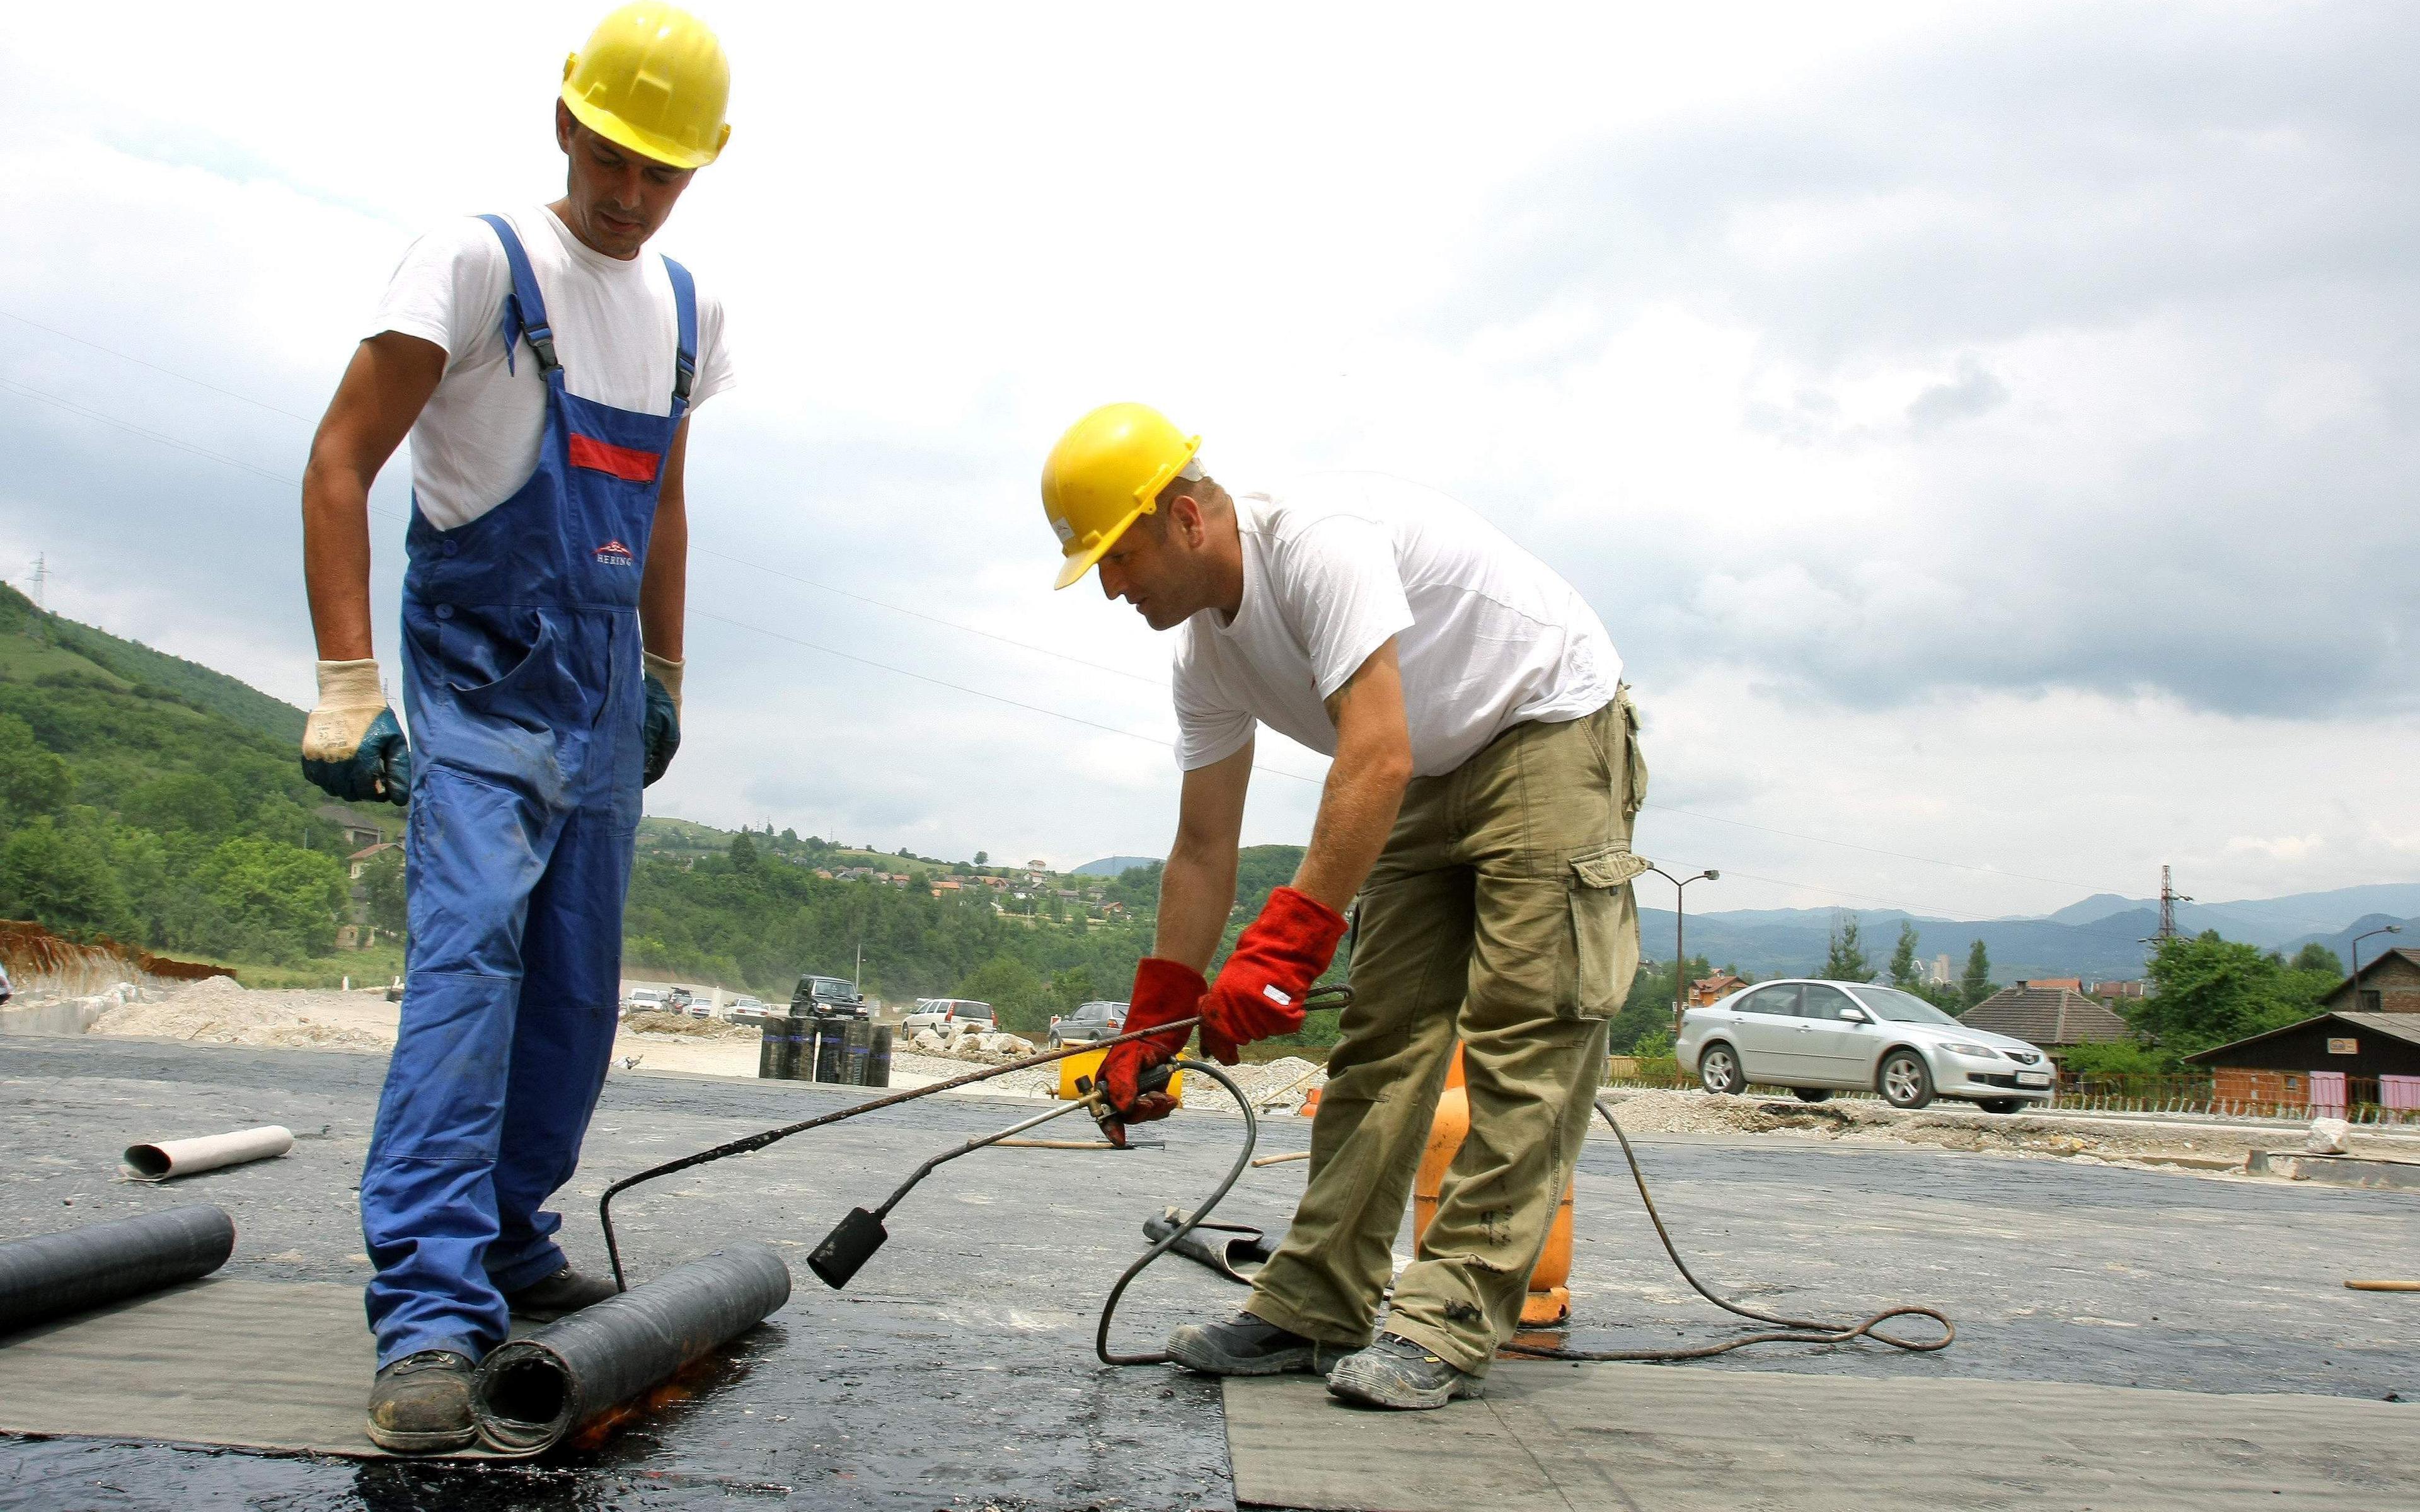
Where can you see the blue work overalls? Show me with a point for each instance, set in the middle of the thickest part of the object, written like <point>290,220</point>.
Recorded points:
<point>523,679</point>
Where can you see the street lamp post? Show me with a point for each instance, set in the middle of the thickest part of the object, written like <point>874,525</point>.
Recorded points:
<point>1680,938</point>
<point>2382,929</point>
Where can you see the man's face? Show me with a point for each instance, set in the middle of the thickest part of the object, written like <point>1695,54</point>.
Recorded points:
<point>1150,568</point>
<point>615,199</point>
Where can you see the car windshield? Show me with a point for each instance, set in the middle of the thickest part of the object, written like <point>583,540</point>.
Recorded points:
<point>1902,1008</point>
<point>974,1010</point>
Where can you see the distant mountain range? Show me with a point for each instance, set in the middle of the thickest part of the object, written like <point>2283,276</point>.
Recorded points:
<point>1109,866</point>
<point>2098,937</point>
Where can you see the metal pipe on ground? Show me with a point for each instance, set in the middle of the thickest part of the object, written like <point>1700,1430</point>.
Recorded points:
<point>533,1393</point>
<point>53,1275</point>
<point>168,1159</point>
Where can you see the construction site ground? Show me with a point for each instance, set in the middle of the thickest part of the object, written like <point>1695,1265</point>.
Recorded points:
<point>958,1369</point>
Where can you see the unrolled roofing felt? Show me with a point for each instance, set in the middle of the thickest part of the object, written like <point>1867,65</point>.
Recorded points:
<point>1550,1438</point>
<point>253,1363</point>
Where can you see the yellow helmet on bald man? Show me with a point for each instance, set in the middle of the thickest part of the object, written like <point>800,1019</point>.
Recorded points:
<point>1105,474</point>
<point>653,79</point>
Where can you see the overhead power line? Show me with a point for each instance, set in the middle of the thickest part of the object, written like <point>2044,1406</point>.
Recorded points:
<point>751,563</point>
<point>758,565</point>
<point>696,613</point>
<point>1876,850</point>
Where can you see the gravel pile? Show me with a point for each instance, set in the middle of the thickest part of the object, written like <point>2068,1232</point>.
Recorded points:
<point>218,1010</point>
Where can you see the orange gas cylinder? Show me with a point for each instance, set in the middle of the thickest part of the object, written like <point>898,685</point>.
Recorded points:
<point>1550,1299</point>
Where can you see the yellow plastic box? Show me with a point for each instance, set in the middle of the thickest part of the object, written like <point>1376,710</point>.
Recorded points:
<point>1088,1065</point>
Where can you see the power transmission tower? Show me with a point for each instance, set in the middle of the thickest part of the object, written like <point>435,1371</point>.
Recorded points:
<point>42,577</point>
<point>2169,898</point>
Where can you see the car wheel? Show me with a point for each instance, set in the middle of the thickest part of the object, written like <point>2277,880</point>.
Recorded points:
<point>1906,1081</point>
<point>2001,1104</point>
<point>1718,1069</point>
<point>1812,1094</point>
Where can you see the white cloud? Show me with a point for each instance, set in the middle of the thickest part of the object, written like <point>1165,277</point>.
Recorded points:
<point>1985,431</point>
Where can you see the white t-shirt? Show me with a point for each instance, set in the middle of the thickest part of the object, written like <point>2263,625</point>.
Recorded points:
<point>615,330</point>
<point>1488,636</point>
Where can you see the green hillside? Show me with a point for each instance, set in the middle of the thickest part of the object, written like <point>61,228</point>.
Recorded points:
<point>160,802</point>
<point>131,663</point>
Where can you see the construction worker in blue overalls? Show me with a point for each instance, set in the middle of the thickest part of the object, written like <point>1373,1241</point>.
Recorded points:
<point>545,372</point>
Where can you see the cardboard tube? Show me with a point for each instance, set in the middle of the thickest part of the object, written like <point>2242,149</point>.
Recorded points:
<point>172,1158</point>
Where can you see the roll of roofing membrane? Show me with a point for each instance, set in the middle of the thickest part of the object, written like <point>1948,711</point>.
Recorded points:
<point>172,1158</point>
<point>534,1392</point>
<point>52,1275</point>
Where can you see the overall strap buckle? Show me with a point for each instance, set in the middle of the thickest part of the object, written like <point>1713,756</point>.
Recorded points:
<point>685,354</point>
<point>524,307</point>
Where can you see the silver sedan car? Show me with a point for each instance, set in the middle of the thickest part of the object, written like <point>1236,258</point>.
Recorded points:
<point>1819,1037</point>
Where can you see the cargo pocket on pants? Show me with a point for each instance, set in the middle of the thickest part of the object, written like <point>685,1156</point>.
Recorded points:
<point>1605,930</point>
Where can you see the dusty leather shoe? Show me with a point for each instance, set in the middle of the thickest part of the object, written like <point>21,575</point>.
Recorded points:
<point>565,1292</point>
<point>1245,1346</point>
<point>421,1404</point>
<point>1395,1372</point>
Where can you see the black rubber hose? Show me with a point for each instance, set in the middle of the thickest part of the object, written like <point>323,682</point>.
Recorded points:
<point>52,1275</point>
<point>1796,1330</point>
<point>759,1140</point>
<point>533,1392</point>
<point>1234,1173</point>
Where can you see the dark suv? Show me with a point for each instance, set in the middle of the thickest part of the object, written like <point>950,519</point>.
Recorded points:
<point>828,994</point>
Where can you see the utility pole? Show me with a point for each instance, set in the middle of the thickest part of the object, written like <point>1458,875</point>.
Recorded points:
<point>1680,938</point>
<point>2169,898</point>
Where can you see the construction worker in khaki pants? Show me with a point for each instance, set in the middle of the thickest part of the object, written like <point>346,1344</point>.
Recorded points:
<point>1477,818</point>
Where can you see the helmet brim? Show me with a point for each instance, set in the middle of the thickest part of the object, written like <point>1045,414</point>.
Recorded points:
<point>1081,561</point>
<point>622,133</point>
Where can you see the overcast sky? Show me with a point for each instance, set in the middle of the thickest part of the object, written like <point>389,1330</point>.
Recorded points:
<point>1985,430</point>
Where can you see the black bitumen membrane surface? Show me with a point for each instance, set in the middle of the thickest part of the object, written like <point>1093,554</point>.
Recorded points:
<point>957,1370</point>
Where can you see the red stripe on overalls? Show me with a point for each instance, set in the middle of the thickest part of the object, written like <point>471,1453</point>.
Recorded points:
<point>621,461</point>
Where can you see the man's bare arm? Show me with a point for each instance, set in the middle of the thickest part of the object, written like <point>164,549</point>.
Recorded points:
<point>663,592</point>
<point>1197,889</point>
<point>1365,783</point>
<point>383,390</point>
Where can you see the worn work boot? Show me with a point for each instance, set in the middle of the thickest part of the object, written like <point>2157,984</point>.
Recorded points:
<point>1245,1346</point>
<point>565,1292</point>
<point>421,1404</point>
<point>1395,1372</point>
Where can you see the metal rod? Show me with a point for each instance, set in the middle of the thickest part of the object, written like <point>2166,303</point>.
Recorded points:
<point>970,1147</point>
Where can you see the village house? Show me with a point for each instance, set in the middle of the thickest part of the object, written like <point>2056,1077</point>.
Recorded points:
<point>2051,1012</point>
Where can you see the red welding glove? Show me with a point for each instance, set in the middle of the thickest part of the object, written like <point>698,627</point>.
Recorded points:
<point>1163,992</point>
<point>1260,989</point>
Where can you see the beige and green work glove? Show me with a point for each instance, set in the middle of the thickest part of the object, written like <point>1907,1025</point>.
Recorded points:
<point>351,745</point>
<point>662,734</point>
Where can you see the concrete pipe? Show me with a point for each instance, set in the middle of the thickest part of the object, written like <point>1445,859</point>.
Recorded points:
<point>53,1275</point>
<point>172,1158</point>
<point>534,1392</point>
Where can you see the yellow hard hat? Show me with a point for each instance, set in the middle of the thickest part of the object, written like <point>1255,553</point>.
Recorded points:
<point>653,79</point>
<point>1105,474</point>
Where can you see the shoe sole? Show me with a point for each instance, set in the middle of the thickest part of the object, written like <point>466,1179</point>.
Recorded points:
<point>423,1444</point>
<point>1197,1354</point>
<point>1346,1383</point>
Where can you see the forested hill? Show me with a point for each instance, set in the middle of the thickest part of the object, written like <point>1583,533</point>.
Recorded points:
<point>155,800</point>
<point>149,798</point>
<point>135,664</point>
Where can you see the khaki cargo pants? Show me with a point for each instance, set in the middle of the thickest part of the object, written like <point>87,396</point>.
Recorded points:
<point>1499,914</point>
